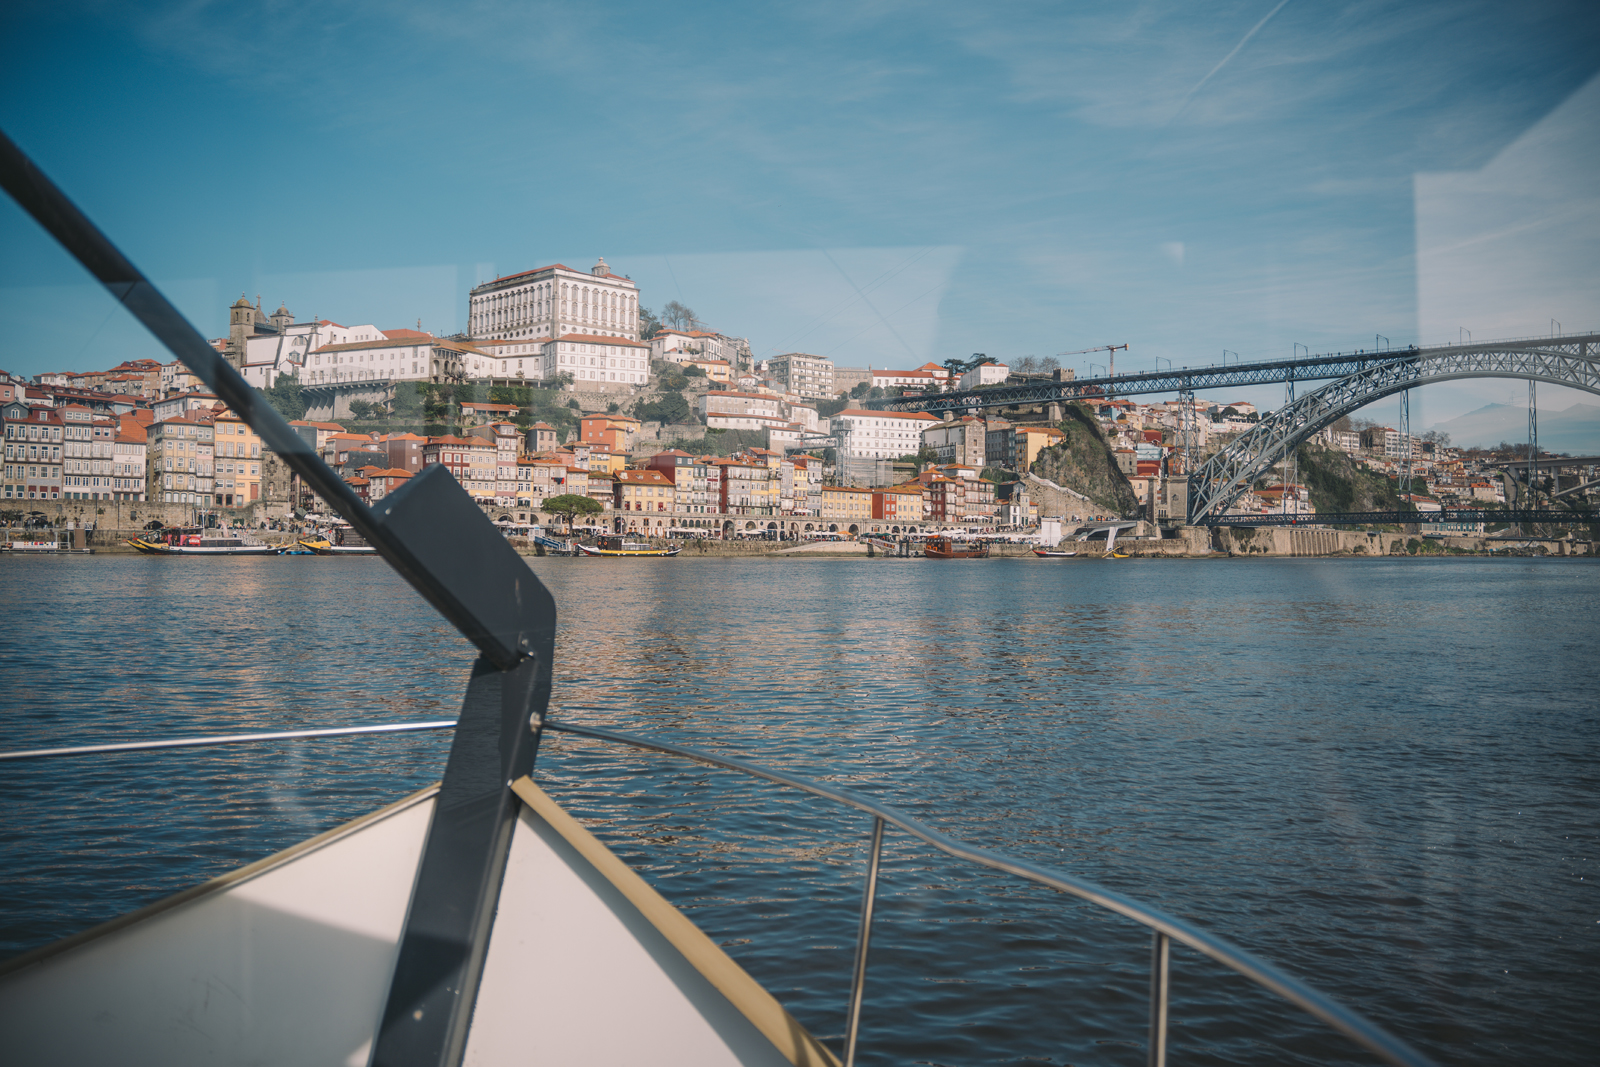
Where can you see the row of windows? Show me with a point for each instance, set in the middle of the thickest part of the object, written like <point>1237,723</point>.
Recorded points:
<point>33,451</point>
<point>52,473</point>
<point>31,432</point>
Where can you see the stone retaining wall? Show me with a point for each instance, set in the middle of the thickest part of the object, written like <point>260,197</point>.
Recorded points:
<point>130,514</point>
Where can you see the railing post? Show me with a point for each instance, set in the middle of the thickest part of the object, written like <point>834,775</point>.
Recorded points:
<point>1160,955</point>
<point>858,980</point>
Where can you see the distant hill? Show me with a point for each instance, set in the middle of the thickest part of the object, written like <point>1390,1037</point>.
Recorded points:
<point>1575,430</point>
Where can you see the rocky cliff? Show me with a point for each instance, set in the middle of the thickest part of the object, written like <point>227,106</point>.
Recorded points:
<point>1083,463</point>
<point>1337,484</point>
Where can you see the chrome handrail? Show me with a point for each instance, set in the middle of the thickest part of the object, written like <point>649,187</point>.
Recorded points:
<point>1166,928</point>
<point>1362,1031</point>
<point>226,739</point>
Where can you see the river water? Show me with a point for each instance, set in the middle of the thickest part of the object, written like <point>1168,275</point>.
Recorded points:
<point>1383,775</point>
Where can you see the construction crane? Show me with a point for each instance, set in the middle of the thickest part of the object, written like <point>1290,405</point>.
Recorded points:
<point>1111,356</point>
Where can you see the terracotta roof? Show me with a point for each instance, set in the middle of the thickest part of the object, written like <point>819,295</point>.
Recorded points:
<point>387,342</point>
<point>594,338</point>
<point>198,416</point>
<point>729,392</point>
<point>923,415</point>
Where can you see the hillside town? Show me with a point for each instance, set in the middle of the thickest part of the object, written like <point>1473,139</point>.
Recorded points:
<point>567,386</point>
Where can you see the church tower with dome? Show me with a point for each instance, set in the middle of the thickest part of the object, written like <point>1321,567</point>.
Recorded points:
<point>247,320</point>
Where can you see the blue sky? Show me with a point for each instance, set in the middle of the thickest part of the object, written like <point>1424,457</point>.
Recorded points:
<point>879,182</point>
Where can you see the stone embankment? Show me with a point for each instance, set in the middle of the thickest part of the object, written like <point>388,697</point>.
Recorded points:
<point>1296,541</point>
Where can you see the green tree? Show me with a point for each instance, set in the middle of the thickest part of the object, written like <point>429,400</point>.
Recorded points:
<point>668,407</point>
<point>409,399</point>
<point>284,396</point>
<point>572,505</point>
<point>649,325</point>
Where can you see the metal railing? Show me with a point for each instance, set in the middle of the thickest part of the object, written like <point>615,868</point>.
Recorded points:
<point>1165,928</point>
<point>226,739</point>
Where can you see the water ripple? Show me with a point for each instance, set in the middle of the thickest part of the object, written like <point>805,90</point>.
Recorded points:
<point>1379,774</point>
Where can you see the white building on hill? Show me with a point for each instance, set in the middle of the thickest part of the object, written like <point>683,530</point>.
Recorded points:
<point>686,346</point>
<point>545,303</point>
<point>598,361</point>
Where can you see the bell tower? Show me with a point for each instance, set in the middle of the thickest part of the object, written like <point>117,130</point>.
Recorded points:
<point>241,326</point>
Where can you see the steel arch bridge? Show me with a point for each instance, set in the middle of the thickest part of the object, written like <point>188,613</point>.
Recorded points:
<point>1570,361</point>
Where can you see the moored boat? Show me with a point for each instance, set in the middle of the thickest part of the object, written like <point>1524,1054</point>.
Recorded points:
<point>340,541</point>
<point>616,546</point>
<point>195,541</point>
<point>1050,553</point>
<point>950,548</point>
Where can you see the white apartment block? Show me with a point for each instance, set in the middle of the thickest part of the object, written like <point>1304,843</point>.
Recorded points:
<point>684,346</point>
<point>726,404</point>
<point>929,378</point>
<point>548,302</point>
<point>392,356</point>
<point>879,434</point>
<point>803,375</point>
<point>984,374</point>
<point>593,359</point>
<point>289,351</point>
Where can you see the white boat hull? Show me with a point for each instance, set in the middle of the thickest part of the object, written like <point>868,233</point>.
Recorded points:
<point>287,962</point>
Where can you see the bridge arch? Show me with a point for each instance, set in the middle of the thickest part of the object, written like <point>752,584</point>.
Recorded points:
<point>1573,362</point>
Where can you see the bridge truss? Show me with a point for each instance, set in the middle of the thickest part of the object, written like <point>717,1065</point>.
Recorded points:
<point>1570,361</point>
<point>1184,380</point>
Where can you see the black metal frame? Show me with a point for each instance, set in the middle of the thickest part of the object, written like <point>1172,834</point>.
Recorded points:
<point>442,543</point>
